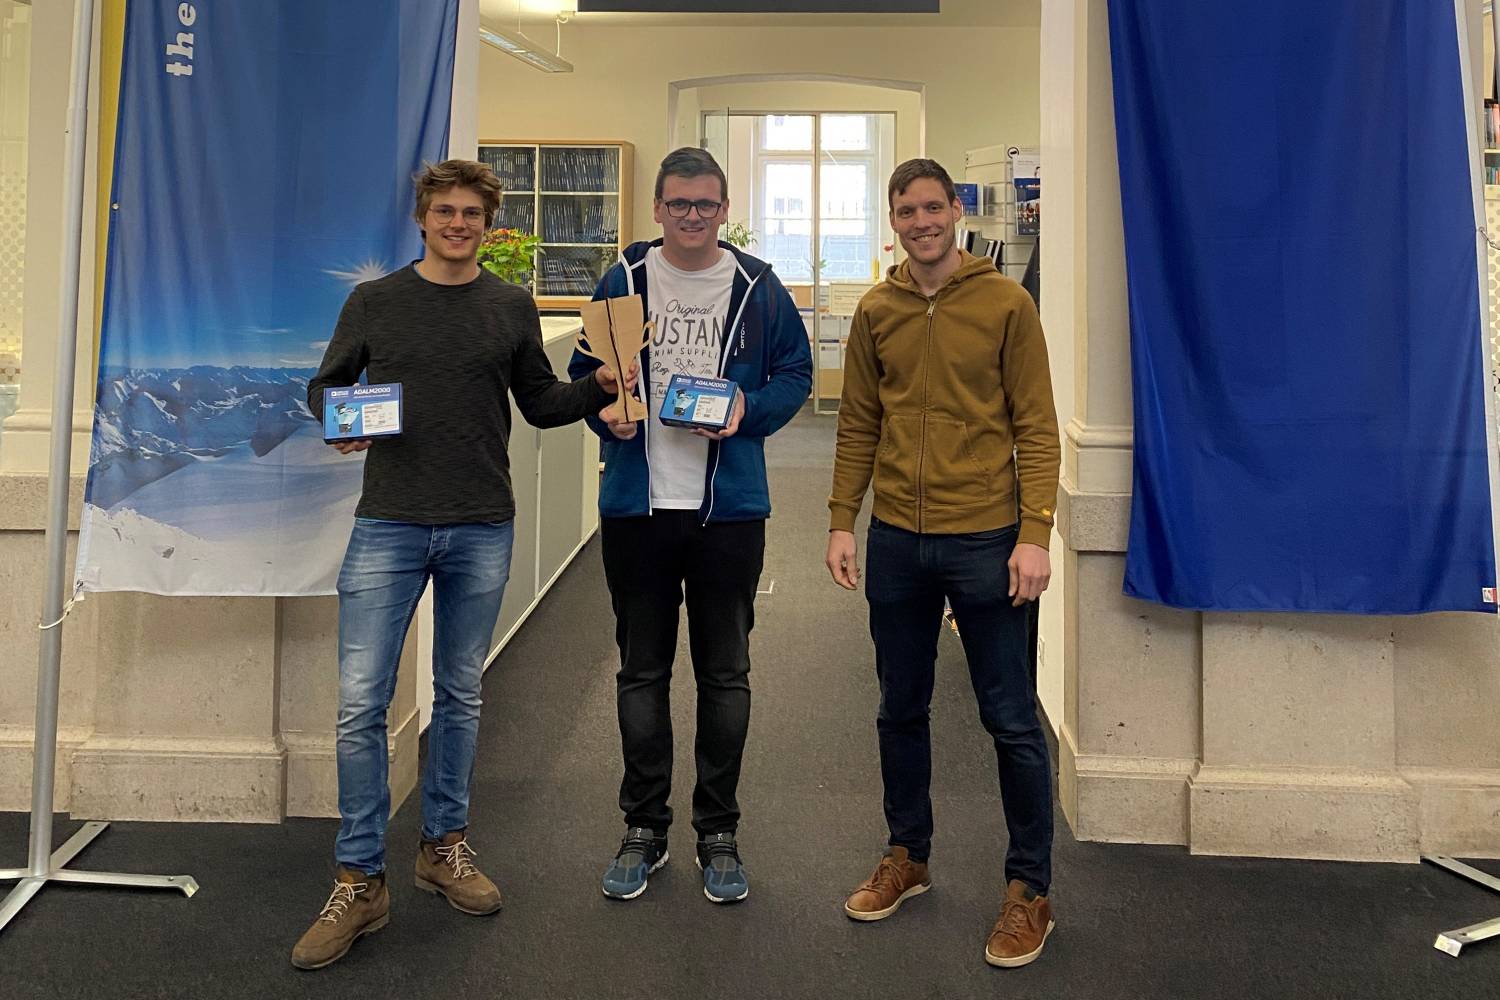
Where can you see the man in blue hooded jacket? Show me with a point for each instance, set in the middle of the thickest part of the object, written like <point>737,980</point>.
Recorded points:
<point>685,511</point>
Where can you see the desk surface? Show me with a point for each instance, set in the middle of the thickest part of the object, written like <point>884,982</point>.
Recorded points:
<point>555,328</point>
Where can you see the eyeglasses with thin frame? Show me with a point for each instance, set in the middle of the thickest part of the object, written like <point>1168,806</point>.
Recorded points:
<point>678,208</point>
<point>445,214</point>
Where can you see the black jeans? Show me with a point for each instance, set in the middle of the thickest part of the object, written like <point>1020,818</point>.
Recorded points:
<point>648,561</point>
<point>907,577</point>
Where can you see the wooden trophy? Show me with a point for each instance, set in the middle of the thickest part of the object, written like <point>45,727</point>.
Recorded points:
<point>614,331</point>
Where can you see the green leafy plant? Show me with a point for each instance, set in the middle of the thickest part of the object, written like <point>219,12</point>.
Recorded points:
<point>510,254</point>
<point>739,233</point>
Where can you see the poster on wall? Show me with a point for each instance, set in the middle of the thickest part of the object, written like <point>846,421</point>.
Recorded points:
<point>1308,361</point>
<point>262,169</point>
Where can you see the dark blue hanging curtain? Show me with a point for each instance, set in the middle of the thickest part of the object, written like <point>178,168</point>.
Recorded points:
<point>1305,329</point>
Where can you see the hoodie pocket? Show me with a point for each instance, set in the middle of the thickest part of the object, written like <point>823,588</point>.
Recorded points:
<point>895,462</point>
<point>951,474</point>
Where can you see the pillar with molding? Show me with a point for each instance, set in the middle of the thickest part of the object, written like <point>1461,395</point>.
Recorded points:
<point>1342,737</point>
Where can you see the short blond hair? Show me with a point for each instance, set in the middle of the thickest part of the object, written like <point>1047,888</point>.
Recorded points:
<point>435,178</point>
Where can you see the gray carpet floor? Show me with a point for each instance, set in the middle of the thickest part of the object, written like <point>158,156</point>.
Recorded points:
<point>1133,922</point>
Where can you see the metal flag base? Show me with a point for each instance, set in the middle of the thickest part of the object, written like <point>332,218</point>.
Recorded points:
<point>31,884</point>
<point>1452,942</point>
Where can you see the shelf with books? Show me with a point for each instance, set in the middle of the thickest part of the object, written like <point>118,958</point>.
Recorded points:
<point>577,198</point>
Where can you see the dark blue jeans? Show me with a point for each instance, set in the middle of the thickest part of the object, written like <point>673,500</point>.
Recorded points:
<point>907,577</point>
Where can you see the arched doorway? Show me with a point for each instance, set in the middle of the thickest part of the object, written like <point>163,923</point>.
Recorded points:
<point>807,157</point>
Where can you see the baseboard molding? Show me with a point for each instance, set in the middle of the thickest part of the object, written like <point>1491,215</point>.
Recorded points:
<point>1460,810</point>
<point>1324,814</point>
<point>1123,800</point>
<point>237,780</point>
<point>16,762</point>
<point>312,777</point>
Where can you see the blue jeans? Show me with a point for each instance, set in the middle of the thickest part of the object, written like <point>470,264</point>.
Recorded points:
<point>386,568</point>
<point>906,579</point>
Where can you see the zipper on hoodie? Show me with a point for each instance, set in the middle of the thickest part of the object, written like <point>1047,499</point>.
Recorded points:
<point>644,380</point>
<point>922,437</point>
<point>718,446</point>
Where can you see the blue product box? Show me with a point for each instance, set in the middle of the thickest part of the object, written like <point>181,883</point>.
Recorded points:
<point>361,411</point>
<point>692,401</point>
<point>968,196</point>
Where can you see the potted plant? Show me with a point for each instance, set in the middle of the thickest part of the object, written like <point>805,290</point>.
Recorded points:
<point>738,233</point>
<point>510,254</point>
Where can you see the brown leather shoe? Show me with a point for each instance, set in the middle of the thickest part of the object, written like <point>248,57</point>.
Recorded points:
<point>1019,934</point>
<point>895,878</point>
<point>359,905</point>
<point>444,868</point>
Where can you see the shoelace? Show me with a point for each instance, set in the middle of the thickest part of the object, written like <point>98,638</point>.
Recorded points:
<point>885,877</point>
<point>458,857</point>
<point>341,899</point>
<point>1015,919</point>
<point>634,845</point>
<point>720,849</point>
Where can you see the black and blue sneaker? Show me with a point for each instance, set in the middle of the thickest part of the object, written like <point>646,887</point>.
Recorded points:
<point>641,853</point>
<point>724,879</point>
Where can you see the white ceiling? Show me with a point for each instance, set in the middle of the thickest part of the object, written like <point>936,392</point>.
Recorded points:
<point>954,14</point>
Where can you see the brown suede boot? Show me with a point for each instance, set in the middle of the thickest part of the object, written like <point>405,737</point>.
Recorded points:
<point>1019,934</point>
<point>444,867</point>
<point>895,878</point>
<point>359,905</point>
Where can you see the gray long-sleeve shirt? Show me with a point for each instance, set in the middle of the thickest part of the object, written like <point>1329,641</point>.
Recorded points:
<point>456,350</point>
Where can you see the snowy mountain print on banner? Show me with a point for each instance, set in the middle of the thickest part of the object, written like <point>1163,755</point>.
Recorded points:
<point>191,465</point>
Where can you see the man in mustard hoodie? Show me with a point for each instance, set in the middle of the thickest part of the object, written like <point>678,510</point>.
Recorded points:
<point>947,405</point>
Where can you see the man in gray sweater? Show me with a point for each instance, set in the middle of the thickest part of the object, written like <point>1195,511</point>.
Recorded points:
<point>437,505</point>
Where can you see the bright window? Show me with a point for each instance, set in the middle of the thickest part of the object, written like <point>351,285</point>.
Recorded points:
<point>770,160</point>
<point>792,133</point>
<point>846,132</point>
<point>786,217</point>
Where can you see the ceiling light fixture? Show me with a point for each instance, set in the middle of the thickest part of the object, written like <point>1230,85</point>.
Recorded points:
<point>526,50</point>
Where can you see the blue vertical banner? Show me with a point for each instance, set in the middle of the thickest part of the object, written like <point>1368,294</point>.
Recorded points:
<point>1308,362</point>
<point>263,168</point>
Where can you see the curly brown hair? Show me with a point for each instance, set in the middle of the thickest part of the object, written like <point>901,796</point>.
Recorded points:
<point>435,178</point>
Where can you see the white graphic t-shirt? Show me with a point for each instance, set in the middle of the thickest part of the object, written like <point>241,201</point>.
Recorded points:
<point>689,308</point>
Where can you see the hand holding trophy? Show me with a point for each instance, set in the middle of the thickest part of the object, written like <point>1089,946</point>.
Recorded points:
<point>614,331</point>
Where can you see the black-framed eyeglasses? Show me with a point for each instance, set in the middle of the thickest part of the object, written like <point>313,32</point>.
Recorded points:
<point>677,208</point>
<point>445,214</point>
